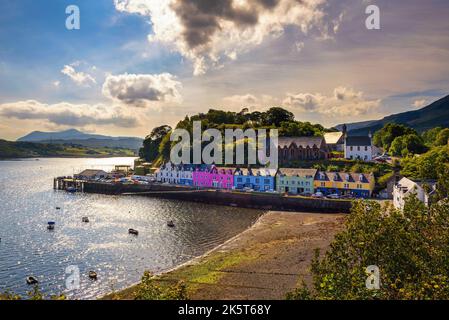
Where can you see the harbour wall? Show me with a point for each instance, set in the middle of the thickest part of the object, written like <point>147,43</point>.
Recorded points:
<point>264,201</point>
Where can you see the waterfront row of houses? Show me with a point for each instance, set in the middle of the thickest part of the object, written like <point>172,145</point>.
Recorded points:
<point>283,180</point>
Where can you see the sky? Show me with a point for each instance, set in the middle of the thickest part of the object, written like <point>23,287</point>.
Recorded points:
<point>137,64</point>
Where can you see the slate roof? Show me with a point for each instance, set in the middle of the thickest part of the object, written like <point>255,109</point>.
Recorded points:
<point>355,141</point>
<point>301,141</point>
<point>345,177</point>
<point>303,173</point>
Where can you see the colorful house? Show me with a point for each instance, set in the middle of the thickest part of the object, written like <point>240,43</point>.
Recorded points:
<point>186,174</point>
<point>213,177</point>
<point>257,179</point>
<point>358,185</point>
<point>295,181</point>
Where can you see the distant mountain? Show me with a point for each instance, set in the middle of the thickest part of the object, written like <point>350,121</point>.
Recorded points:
<point>84,139</point>
<point>434,115</point>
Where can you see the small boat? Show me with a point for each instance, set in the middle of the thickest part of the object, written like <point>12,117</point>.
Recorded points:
<point>51,225</point>
<point>31,280</point>
<point>93,275</point>
<point>71,189</point>
<point>171,224</point>
<point>85,219</point>
<point>133,231</point>
<point>58,208</point>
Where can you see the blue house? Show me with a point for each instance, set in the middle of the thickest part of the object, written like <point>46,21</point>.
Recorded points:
<point>186,174</point>
<point>257,179</point>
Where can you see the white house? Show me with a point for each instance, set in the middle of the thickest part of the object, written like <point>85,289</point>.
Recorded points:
<point>359,147</point>
<point>168,172</point>
<point>406,187</point>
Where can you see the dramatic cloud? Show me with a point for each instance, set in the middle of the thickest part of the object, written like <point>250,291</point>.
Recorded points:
<point>80,78</point>
<point>207,31</point>
<point>142,90</point>
<point>67,114</point>
<point>343,102</point>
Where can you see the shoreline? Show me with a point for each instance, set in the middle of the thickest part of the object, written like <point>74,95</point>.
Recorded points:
<point>265,261</point>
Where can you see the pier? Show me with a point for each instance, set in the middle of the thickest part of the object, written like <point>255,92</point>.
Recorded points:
<point>254,200</point>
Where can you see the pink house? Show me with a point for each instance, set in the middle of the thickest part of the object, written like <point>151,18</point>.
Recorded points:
<point>213,177</point>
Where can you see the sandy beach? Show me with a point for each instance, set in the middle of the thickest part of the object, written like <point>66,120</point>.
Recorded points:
<point>264,262</point>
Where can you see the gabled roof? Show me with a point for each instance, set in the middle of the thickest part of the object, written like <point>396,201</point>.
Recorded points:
<point>301,142</point>
<point>344,177</point>
<point>333,137</point>
<point>355,141</point>
<point>302,173</point>
<point>263,172</point>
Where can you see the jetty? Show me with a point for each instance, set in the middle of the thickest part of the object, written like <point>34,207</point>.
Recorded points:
<point>254,200</point>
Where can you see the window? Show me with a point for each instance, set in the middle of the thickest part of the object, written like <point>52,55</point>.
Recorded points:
<point>351,148</point>
<point>257,180</point>
<point>266,181</point>
<point>366,148</point>
<point>358,148</point>
<point>239,179</point>
<point>323,184</point>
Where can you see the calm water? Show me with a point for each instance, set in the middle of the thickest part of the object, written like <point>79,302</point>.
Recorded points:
<point>27,202</point>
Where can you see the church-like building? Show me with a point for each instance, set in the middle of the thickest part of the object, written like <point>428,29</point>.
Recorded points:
<point>302,148</point>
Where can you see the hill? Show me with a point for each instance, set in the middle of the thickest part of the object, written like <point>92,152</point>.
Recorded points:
<point>434,115</point>
<point>11,149</point>
<point>84,139</point>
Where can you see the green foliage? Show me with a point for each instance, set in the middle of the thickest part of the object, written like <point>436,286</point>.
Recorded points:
<point>34,294</point>
<point>442,137</point>
<point>150,149</point>
<point>149,289</point>
<point>410,248</point>
<point>221,120</point>
<point>385,136</point>
<point>407,145</point>
<point>426,166</point>
<point>430,136</point>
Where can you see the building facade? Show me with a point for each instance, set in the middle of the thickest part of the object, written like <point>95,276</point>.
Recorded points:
<point>358,185</point>
<point>256,179</point>
<point>301,148</point>
<point>213,177</point>
<point>359,148</point>
<point>186,174</point>
<point>296,181</point>
<point>407,187</point>
<point>168,173</point>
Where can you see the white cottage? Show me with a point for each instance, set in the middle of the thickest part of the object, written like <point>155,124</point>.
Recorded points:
<point>406,187</point>
<point>359,148</point>
<point>169,173</point>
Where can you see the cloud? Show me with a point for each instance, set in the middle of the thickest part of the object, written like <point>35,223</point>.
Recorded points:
<point>343,102</point>
<point>209,31</point>
<point>67,114</point>
<point>142,90</point>
<point>237,102</point>
<point>80,78</point>
<point>419,103</point>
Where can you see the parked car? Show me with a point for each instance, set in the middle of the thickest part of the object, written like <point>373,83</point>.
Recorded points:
<point>333,196</point>
<point>317,195</point>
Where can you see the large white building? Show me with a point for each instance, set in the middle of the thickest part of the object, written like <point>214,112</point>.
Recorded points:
<point>406,187</point>
<point>168,173</point>
<point>358,148</point>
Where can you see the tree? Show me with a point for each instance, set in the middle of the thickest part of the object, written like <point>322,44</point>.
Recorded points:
<point>407,145</point>
<point>430,136</point>
<point>409,248</point>
<point>385,136</point>
<point>149,289</point>
<point>150,149</point>
<point>276,115</point>
<point>442,137</point>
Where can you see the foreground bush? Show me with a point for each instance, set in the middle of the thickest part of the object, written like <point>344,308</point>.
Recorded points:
<point>149,289</point>
<point>410,248</point>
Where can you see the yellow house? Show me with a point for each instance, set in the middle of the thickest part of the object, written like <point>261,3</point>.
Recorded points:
<point>359,185</point>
